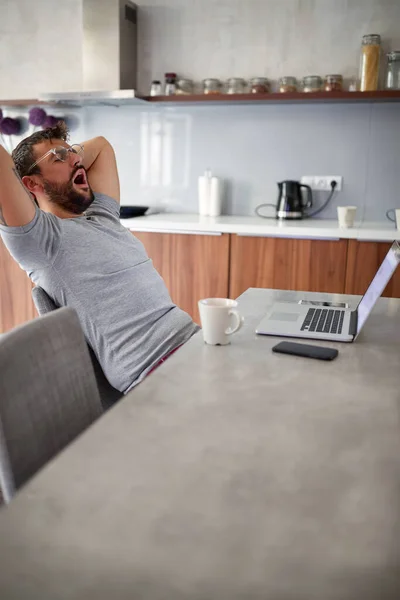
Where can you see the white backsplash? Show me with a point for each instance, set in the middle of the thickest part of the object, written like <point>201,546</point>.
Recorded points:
<point>161,153</point>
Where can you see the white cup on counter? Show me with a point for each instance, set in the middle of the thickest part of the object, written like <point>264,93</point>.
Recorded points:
<point>396,218</point>
<point>219,320</point>
<point>346,216</point>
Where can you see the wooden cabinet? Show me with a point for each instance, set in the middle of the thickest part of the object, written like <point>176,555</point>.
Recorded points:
<point>287,264</point>
<point>16,304</point>
<point>363,261</point>
<point>192,266</point>
<point>200,266</point>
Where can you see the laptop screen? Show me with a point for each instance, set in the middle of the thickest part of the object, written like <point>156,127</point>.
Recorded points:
<point>378,284</point>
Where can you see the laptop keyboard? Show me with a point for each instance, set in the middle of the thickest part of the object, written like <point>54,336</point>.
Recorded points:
<point>323,320</point>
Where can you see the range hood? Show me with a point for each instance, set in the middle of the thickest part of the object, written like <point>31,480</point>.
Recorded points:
<point>109,55</point>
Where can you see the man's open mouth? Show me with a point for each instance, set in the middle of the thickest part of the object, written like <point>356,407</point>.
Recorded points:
<point>80,178</point>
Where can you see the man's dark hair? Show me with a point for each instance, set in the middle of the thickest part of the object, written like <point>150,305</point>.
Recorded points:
<point>23,155</point>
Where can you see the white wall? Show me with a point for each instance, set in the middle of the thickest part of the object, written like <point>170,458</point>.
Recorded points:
<point>41,41</point>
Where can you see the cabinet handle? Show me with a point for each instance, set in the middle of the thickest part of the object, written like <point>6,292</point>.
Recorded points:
<point>181,231</point>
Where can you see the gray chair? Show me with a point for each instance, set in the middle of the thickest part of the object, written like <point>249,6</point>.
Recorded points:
<point>48,394</point>
<point>108,394</point>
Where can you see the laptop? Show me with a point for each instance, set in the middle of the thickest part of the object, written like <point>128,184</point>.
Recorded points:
<point>317,322</point>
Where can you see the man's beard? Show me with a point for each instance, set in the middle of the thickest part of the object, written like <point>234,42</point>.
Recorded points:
<point>66,197</point>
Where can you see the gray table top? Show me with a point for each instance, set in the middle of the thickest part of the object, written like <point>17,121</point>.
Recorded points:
<point>230,473</point>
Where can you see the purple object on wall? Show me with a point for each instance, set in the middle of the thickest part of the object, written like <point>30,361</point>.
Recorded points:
<point>37,116</point>
<point>10,126</point>
<point>50,121</point>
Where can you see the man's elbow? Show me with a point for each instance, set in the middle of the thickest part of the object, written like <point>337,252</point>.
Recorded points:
<point>102,141</point>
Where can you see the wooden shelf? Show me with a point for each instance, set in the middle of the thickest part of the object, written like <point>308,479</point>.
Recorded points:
<point>20,103</point>
<point>226,99</point>
<point>276,98</point>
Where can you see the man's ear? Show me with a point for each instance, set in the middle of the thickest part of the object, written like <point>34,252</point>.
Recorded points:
<point>32,183</point>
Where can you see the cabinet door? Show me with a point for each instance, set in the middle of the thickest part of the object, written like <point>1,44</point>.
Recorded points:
<point>192,266</point>
<point>287,264</point>
<point>364,259</point>
<point>16,304</point>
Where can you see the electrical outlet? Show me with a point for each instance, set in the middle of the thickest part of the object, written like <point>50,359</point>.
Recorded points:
<point>322,182</point>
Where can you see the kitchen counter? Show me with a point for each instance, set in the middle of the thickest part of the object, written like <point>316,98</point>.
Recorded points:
<point>230,473</point>
<point>256,226</point>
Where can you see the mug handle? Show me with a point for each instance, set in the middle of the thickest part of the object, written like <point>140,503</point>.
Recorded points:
<point>239,322</point>
<point>391,210</point>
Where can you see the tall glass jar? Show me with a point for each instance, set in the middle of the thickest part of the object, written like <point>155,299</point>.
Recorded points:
<point>212,86</point>
<point>369,67</point>
<point>393,70</point>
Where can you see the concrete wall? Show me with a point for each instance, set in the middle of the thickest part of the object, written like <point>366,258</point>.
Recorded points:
<point>41,41</point>
<point>247,38</point>
<point>40,47</point>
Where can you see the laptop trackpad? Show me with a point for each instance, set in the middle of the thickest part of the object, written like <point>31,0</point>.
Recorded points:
<point>282,316</point>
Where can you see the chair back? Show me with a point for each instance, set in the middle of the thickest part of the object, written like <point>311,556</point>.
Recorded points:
<point>108,394</point>
<point>48,394</point>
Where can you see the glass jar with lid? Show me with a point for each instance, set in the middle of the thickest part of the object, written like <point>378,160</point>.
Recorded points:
<point>259,85</point>
<point>287,85</point>
<point>236,85</point>
<point>156,88</point>
<point>393,70</point>
<point>170,84</point>
<point>312,83</point>
<point>212,86</point>
<point>184,87</point>
<point>369,66</point>
<point>333,83</point>
<point>353,84</point>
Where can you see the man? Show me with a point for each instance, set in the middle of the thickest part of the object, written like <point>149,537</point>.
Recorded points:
<point>59,218</point>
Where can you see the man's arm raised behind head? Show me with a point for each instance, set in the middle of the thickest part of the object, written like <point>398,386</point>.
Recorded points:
<point>101,166</point>
<point>17,206</point>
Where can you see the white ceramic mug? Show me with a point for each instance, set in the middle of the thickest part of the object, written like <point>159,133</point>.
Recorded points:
<point>216,316</point>
<point>396,220</point>
<point>346,216</point>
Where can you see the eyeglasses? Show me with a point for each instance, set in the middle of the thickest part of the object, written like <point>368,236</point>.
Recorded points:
<point>60,153</point>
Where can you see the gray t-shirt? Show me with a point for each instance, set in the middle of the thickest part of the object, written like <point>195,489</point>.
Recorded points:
<point>95,265</point>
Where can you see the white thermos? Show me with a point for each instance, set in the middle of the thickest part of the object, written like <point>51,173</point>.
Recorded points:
<point>210,195</point>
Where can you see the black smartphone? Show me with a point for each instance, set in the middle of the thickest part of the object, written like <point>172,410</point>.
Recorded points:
<point>306,350</point>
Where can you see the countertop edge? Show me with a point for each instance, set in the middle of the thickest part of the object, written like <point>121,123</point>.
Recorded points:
<point>254,226</point>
